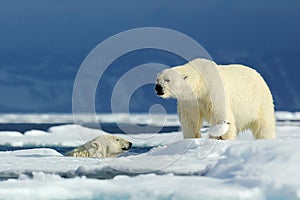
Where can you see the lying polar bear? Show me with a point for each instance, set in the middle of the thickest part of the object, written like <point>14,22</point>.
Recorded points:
<point>103,146</point>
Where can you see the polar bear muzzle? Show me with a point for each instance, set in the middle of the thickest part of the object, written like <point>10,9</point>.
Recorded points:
<point>159,89</point>
<point>127,147</point>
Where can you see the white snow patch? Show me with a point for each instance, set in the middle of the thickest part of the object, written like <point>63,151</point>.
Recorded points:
<point>151,186</point>
<point>259,169</point>
<point>242,169</point>
<point>130,118</point>
<point>286,116</point>
<point>54,118</point>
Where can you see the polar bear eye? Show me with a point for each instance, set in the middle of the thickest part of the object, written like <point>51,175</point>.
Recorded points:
<point>185,77</point>
<point>117,139</point>
<point>167,80</point>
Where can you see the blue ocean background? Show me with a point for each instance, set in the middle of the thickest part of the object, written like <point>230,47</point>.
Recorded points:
<point>43,43</point>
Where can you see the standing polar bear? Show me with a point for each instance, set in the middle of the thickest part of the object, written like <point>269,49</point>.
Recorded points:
<point>233,93</point>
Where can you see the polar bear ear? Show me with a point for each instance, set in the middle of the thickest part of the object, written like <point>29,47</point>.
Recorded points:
<point>95,145</point>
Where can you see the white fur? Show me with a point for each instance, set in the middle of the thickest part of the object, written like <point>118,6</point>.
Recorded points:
<point>103,146</point>
<point>211,92</point>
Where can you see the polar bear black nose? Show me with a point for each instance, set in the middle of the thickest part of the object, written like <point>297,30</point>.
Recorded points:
<point>130,145</point>
<point>159,89</point>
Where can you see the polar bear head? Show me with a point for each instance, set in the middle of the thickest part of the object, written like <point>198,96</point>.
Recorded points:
<point>181,82</point>
<point>109,146</point>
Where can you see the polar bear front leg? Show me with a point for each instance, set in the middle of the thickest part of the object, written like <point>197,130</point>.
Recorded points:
<point>190,127</point>
<point>191,122</point>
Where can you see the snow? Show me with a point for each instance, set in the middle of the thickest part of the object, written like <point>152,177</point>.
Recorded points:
<point>138,118</point>
<point>173,169</point>
<point>285,115</point>
<point>121,118</point>
<point>43,186</point>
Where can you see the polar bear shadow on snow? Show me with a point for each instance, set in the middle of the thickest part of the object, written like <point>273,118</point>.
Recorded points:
<point>103,146</point>
<point>234,93</point>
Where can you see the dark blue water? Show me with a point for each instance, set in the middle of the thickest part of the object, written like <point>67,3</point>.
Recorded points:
<point>107,127</point>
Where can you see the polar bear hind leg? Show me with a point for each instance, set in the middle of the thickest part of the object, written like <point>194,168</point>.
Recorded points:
<point>264,127</point>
